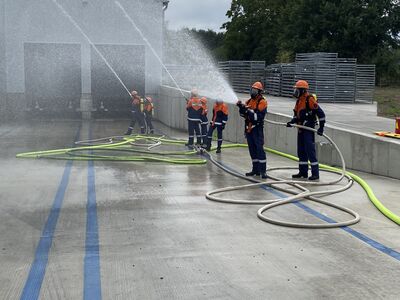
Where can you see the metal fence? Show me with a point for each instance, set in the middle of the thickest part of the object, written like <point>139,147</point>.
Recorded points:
<point>273,79</point>
<point>333,79</point>
<point>241,74</point>
<point>365,83</point>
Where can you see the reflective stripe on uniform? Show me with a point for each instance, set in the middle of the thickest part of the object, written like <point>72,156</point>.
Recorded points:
<point>322,119</point>
<point>303,163</point>
<point>255,160</point>
<point>263,161</point>
<point>194,120</point>
<point>314,163</point>
<point>217,123</point>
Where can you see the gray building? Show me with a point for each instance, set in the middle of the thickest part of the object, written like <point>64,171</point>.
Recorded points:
<point>48,66</point>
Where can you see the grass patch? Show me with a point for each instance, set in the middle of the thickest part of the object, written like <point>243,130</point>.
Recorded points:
<point>388,99</point>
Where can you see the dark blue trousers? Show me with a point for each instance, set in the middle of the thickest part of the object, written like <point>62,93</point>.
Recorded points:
<point>255,141</point>
<point>194,127</point>
<point>210,135</point>
<point>204,123</point>
<point>139,118</point>
<point>306,152</point>
<point>148,118</point>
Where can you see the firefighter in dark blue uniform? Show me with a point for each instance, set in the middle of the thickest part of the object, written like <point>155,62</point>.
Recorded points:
<point>194,109</point>
<point>204,120</point>
<point>306,112</point>
<point>136,113</point>
<point>220,117</point>
<point>148,112</point>
<point>253,111</point>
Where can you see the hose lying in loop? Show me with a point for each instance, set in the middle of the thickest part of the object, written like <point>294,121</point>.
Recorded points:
<point>303,194</point>
<point>118,144</point>
<point>123,144</point>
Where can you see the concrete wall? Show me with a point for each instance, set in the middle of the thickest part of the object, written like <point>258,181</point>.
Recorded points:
<point>102,21</point>
<point>361,152</point>
<point>2,62</point>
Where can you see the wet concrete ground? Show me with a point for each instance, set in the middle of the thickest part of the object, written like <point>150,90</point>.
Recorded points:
<point>149,233</point>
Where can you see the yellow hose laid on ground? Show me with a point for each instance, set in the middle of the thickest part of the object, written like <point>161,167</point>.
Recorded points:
<point>378,204</point>
<point>122,144</point>
<point>368,190</point>
<point>125,142</point>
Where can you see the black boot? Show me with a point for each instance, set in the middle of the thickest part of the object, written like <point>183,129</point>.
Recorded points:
<point>218,150</point>
<point>252,173</point>
<point>299,175</point>
<point>314,178</point>
<point>264,176</point>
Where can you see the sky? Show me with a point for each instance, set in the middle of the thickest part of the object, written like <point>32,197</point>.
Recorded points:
<point>199,14</point>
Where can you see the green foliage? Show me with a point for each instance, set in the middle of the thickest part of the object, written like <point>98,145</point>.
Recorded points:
<point>275,30</point>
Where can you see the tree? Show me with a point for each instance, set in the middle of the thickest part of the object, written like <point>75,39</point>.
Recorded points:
<point>275,30</point>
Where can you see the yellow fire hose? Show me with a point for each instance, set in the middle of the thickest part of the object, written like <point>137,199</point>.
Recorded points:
<point>126,144</point>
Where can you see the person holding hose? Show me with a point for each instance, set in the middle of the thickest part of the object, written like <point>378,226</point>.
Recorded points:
<point>194,109</point>
<point>204,121</point>
<point>220,117</point>
<point>148,111</point>
<point>254,111</point>
<point>306,112</point>
<point>136,113</point>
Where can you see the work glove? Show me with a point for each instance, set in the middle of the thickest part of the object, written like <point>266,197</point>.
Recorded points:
<point>239,104</point>
<point>289,124</point>
<point>223,126</point>
<point>242,110</point>
<point>320,131</point>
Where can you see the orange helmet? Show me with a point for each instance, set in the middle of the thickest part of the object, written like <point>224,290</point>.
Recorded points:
<point>258,85</point>
<point>301,84</point>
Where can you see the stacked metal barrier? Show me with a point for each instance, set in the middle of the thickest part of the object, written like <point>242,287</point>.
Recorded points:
<point>365,83</point>
<point>273,79</point>
<point>241,74</point>
<point>345,80</point>
<point>333,79</point>
<point>288,79</point>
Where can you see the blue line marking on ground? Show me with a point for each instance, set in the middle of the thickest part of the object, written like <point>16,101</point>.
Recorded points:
<point>378,246</point>
<point>92,279</point>
<point>35,278</point>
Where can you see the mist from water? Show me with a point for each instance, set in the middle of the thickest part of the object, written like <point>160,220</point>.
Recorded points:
<point>66,14</point>
<point>191,64</point>
<point>148,44</point>
<point>187,63</point>
<point>194,66</point>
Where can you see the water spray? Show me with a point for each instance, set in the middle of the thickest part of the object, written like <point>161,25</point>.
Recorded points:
<point>148,44</point>
<point>91,43</point>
